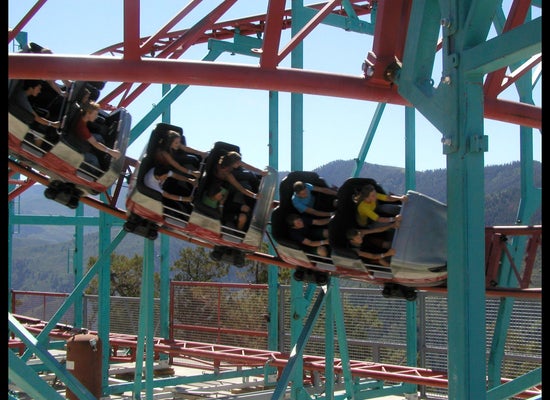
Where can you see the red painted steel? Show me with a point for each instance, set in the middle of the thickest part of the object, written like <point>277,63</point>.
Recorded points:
<point>492,257</point>
<point>239,356</point>
<point>166,47</point>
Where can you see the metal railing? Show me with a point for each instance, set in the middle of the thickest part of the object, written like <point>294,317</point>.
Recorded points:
<point>237,314</point>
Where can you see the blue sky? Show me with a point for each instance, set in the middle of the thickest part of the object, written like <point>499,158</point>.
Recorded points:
<point>334,128</point>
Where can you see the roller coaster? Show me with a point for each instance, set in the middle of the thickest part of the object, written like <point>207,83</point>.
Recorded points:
<point>60,157</point>
<point>53,158</point>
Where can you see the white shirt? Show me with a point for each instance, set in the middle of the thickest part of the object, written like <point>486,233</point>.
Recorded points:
<point>151,180</point>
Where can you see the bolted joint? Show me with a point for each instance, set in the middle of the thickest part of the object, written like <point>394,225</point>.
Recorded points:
<point>446,80</point>
<point>368,65</point>
<point>478,143</point>
<point>391,73</point>
<point>448,145</point>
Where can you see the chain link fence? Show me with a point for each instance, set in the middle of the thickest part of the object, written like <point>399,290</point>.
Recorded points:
<point>375,327</point>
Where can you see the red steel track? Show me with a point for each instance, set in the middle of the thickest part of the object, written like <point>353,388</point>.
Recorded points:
<point>524,292</point>
<point>157,59</point>
<point>239,356</point>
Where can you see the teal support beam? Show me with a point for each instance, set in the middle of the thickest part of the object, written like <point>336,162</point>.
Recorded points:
<point>76,294</point>
<point>410,183</point>
<point>167,111</point>
<point>414,80</point>
<point>165,245</point>
<point>165,256</point>
<point>410,148</point>
<point>335,302</point>
<point>297,99</point>
<point>273,270</point>
<point>78,265</point>
<point>21,40</point>
<point>241,45</point>
<point>465,196</point>
<point>273,305</point>
<point>298,306</point>
<point>350,23</point>
<point>296,132</point>
<point>298,310</point>
<point>329,343</point>
<point>149,294</point>
<point>144,346</point>
<point>369,136</point>
<point>297,352</point>
<point>28,380</point>
<point>164,287</point>
<point>466,281</point>
<point>516,386</point>
<point>530,203</point>
<point>456,109</point>
<point>273,121</point>
<point>501,51</point>
<point>11,213</point>
<point>104,295</point>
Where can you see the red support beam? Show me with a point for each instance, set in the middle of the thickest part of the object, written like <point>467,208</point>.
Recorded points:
<point>494,83</point>
<point>199,73</point>
<point>392,21</point>
<point>272,36</point>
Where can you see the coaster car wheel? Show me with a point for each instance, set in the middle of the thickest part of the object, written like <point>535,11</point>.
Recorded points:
<point>238,259</point>
<point>50,193</point>
<point>216,254</point>
<point>321,278</point>
<point>299,274</point>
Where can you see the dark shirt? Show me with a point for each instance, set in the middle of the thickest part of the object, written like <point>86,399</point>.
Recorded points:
<point>22,99</point>
<point>309,231</point>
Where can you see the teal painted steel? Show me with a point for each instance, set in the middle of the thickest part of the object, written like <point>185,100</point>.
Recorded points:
<point>20,373</point>
<point>78,264</point>
<point>104,294</point>
<point>530,202</point>
<point>164,287</point>
<point>23,376</point>
<point>447,106</point>
<point>289,373</point>
<point>369,136</point>
<point>413,324</point>
<point>335,302</point>
<point>516,386</point>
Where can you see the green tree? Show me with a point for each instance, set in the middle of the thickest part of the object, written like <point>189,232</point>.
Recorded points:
<point>126,276</point>
<point>257,272</point>
<point>195,264</point>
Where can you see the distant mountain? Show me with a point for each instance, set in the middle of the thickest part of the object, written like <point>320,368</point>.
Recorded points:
<point>42,255</point>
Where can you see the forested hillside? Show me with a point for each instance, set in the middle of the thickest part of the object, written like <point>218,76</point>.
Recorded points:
<point>502,185</point>
<point>42,255</point>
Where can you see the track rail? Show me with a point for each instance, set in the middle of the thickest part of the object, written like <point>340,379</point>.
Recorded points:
<point>240,356</point>
<point>36,177</point>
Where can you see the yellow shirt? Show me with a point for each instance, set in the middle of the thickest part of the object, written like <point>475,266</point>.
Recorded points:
<point>365,211</point>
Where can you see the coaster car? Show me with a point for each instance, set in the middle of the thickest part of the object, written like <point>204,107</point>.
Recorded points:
<point>219,227</point>
<point>309,266</point>
<point>147,210</point>
<point>420,243</point>
<point>54,152</point>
